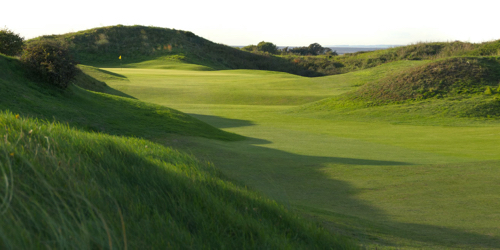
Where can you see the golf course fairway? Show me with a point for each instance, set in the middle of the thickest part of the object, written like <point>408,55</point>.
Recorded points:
<point>386,183</point>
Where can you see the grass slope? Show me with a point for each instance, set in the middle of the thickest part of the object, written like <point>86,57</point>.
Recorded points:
<point>163,47</point>
<point>417,51</point>
<point>331,65</point>
<point>66,186</point>
<point>450,87</point>
<point>155,47</point>
<point>95,111</point>
<point>448,77</point>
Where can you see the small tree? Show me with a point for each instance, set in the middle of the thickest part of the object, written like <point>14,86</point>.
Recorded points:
<point>11,44</point>
<point>267,47</point>
<point>316,49</point>
<point>50,61</point>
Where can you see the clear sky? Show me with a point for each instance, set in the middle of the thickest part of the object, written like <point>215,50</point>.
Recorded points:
<point>290,23</point>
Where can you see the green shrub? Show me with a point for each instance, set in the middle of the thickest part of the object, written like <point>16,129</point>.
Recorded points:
<point>11,44</point>
<point>50,61</point>
<point>267,47</point>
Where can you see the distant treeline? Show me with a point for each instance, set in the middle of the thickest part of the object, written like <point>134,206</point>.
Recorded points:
<point>313,49</point>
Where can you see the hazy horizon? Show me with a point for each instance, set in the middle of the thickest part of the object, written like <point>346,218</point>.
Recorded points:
<point>222,21</point>
<point>344,45</point>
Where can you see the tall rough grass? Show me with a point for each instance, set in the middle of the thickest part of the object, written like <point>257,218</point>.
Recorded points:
<point>64,188</point>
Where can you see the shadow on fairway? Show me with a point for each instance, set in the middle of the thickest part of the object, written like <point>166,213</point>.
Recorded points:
<point>89,82</point>
<point>116,92</point>
<point>111,73</point>
<point>221,122</point>
<point>299,182</point>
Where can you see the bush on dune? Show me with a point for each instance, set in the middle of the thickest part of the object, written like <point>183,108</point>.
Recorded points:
<point>50,61</point>
<point>11,44</point>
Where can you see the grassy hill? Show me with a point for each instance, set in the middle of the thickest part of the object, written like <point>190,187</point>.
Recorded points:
<point>447,77</point>
<point>76,174</point>
<point>420,51</point>
<point>142,46</point>
<point>139,44</point>
<point>447,87</point>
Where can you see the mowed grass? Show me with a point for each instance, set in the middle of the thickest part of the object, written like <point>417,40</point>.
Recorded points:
<point>391,183</point>
<point>220,87</point>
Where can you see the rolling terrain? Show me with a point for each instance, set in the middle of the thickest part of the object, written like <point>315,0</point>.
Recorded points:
<point>394,175</point>
<point>136,44</point>
<point>80,170</point>
<point>400,151</point>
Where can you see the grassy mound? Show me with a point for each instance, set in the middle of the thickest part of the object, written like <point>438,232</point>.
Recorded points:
<point>135,44</point>
<point>431,50</point>
<point>442,89</point>
<point>452,76</point>
<point>66,186</point>
<point>142,46</point>
<point>419,51</point>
